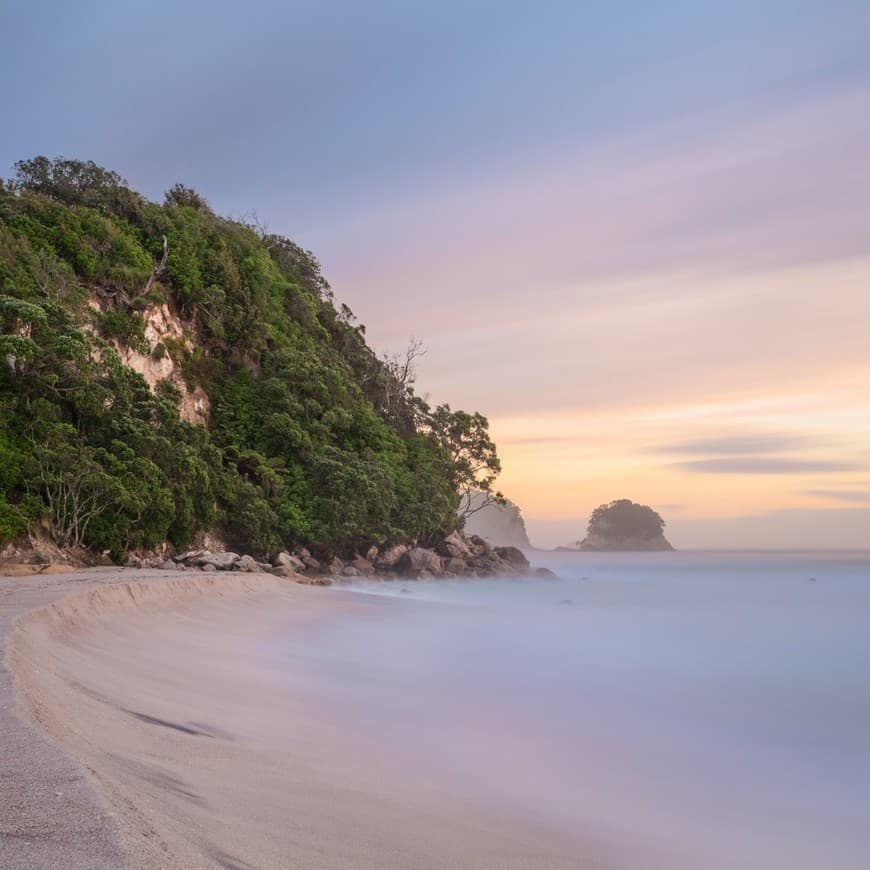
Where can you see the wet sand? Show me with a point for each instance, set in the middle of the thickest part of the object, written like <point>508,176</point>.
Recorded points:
<point>207,751</point>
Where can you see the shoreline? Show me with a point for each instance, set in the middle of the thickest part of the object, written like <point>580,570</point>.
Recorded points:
<point>188,756</point>
<point>56,812</point>
<point>53,814</point>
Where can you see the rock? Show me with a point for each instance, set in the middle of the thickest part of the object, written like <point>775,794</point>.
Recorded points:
<point>189,556</point>
<point>500,523</point>
<point>208,566</point>
<point>624,525</point>
<point>372,554</point>
<point>132,562</point>
<point>492,565</point>
<point>303,553</point>
<point>419,562</point>
<point>220,561</point>
<point>336,566</point>
<point>513,556</point>
<point>390,557</point>
<point>362,566</point>
<point>454,566</point>
<point>454,547</point>
<point>247,563</point>
<point>168,566</point>
<point>310,563</point>
<point>545,572</point>
<point>290,561</point>
<point>283,571</point>
<point>314,581</point>
<point>478,546</point>
<point>349,571</point>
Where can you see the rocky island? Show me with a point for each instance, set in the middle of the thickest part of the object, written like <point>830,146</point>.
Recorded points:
<point>625,525</point>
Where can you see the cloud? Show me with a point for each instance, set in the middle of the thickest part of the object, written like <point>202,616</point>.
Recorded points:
<point>855,496</point>
<point>761,465</point>
<point>802,528</point>
<point>740,444</point>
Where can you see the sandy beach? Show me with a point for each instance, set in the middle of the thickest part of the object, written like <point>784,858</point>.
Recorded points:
<point>173,743</point>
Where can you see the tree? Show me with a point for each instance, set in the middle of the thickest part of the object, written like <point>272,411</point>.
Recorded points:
<point>473,453</point>
<point>72,483</point>
<point>396,377</point>
<point>623,524</point>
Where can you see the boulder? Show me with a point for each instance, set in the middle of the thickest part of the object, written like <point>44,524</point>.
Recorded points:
<point>478,546</point>
<point>283,571</point>
<point>419,562</point>
<point>133,562</point>
<point>454,566</point>
<point>247,563</point>
<point>289,561</point>
<point>314,581</point>
<point>362,566</point>
<point>545,572</point>
<point>310,563</point>
<point>336,566</point>
<point>349,571</point>
<point>454,547</point>
<point>372,554</point>
<point>513,556</point>
<point>220,561</point>
<point>168,566</point>
<point>208,566</point>
<point>390,557</point>
<point>189,556</point>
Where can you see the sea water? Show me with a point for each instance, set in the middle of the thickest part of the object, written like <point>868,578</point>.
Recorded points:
<point>675,711</point>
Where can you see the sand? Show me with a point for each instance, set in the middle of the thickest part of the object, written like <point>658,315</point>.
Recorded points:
<point>177,742</point>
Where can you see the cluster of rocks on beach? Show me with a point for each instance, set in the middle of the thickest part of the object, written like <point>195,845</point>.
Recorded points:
<point>456,556</point>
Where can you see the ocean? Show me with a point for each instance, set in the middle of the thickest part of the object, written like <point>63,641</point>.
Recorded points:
<point>673,711</point>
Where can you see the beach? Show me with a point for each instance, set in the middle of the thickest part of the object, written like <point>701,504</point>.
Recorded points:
<point>186,754</point>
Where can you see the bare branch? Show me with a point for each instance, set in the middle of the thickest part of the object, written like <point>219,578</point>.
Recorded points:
<point>160,269</point>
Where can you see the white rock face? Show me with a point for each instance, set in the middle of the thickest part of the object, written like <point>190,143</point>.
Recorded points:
<point>162,324</point>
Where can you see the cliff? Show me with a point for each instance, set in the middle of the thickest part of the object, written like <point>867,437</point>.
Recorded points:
<point>500,524</point>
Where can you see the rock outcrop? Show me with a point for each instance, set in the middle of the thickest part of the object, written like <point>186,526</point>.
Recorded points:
<point>499,524</point>
<point>457,555</point>
<point>624,525</point>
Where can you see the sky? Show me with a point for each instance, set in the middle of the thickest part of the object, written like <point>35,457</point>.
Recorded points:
<point>636,236</point>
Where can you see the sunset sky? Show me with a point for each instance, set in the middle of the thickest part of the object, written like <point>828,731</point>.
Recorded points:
<point>635,235</point>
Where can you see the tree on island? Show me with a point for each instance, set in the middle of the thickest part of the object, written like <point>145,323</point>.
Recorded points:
<point>625,525</point>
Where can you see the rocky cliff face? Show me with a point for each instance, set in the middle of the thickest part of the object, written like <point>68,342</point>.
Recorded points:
<point>161,325</point>
<point>501,525</point>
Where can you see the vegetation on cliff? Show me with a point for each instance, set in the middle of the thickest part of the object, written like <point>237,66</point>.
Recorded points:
<point>308,437</point>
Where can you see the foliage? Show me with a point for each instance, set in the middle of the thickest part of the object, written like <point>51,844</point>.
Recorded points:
<point>312,437</point>
<point>625,518</point>
<point>474,462</point>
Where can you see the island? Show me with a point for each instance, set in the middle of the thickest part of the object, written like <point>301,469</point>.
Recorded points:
<point>624,525</point>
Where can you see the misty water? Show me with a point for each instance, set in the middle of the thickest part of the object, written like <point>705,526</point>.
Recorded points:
<point>686,710</point>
